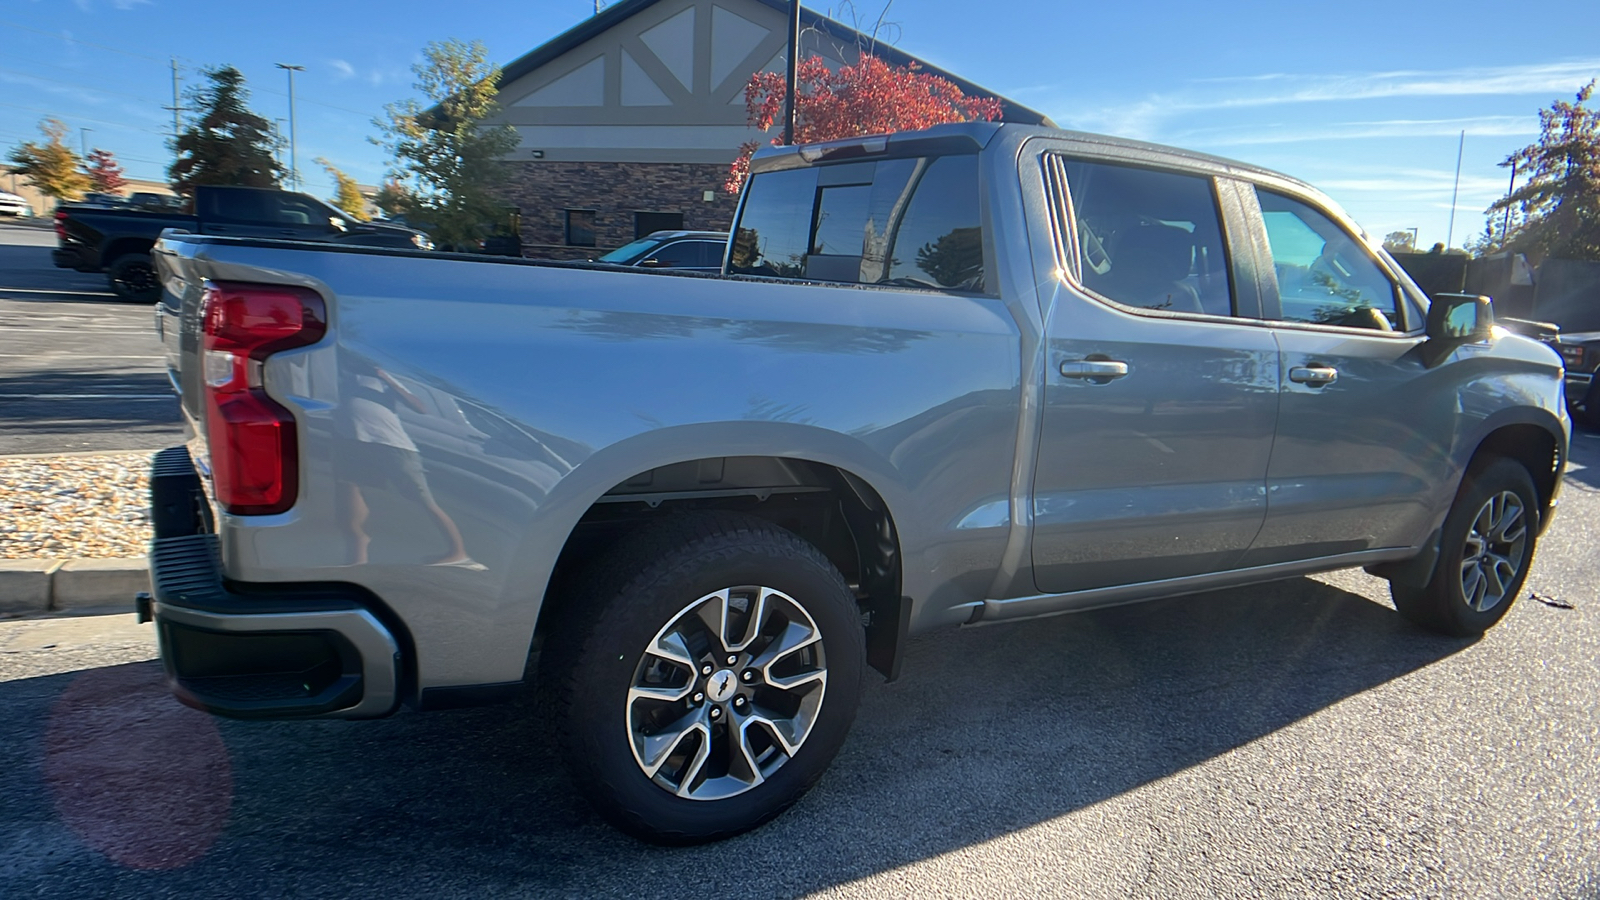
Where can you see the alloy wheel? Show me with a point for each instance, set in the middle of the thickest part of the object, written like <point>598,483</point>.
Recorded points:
<point>1495,551</point>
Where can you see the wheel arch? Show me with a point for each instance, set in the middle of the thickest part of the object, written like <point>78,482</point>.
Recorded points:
<point>1535,439</point>
<point>124,246</point>
<point>826,487</point>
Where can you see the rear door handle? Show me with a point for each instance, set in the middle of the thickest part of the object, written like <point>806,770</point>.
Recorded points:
<point>1316,376</point>
<point>1094,369</point>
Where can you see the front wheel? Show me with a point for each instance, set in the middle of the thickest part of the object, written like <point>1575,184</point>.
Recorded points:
<point>1486,548</point>
<point>712,672</point>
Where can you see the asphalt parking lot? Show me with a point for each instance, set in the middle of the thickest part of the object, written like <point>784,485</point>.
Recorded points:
<point>1294,739</point>
<point>79,369</point>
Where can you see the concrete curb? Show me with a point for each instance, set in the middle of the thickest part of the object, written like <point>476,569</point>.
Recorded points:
<point>74,587</point>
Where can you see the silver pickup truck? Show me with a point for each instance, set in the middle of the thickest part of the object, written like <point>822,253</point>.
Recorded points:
<point>976,374</point>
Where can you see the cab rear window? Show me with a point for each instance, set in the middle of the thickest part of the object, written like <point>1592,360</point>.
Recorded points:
<point>899,222</point>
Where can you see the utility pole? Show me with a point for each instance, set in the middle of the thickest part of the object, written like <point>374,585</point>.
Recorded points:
<point>1505,226</point>
<point>1414,238</point>
<point>294,164</point>
<point>83,140</point>
<point>176,107</point>
<point>1456,191</point>
<point>794,70</point>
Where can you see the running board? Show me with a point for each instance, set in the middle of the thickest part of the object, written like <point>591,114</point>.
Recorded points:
<point>1039,605</point>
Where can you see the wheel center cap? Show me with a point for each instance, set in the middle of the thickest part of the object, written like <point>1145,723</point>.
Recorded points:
<point>720,686</point>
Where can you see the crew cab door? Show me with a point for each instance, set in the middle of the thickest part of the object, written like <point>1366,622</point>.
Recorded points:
<point>1364,426</point>
<point>1161,388</point>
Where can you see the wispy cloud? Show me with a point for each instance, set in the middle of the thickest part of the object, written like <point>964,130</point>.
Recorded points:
<point>1344,131</point>
<point>1148,117</point>
<point>344,69</point>
<point>130,4</point>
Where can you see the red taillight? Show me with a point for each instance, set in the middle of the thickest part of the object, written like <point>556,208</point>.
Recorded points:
<point>61,229</point>
<point>252,439</point>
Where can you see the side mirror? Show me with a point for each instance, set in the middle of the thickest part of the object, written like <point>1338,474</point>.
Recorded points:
<point>1454,320</point>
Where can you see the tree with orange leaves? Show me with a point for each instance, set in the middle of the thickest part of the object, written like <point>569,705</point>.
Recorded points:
<point>870,97</point>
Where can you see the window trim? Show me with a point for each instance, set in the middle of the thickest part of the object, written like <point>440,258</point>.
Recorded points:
<point>1064,224</point>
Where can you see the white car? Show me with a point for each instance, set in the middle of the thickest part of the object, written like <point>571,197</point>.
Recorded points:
<point>13,205</point>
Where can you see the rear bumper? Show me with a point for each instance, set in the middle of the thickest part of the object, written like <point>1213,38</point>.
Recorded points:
<point>257,651</point>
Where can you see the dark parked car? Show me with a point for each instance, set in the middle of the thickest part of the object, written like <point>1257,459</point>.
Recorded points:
<point>117,239</point>
<point>693,250</point>
<point>1580,351</point>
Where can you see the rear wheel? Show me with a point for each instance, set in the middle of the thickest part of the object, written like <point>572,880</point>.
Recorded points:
<point>133,278</point>
<point>1486,548</point>
<point>707,678</point>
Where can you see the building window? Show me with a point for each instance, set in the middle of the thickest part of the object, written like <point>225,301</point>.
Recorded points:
<point>580,227</point>
<point>650,222</point>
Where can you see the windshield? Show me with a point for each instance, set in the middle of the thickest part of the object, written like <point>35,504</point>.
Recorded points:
<point>629,251</point>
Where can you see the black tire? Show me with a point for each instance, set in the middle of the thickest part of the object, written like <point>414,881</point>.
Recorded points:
<point>133,278</point>
<point>628,601</point>
<point>1443,604</point>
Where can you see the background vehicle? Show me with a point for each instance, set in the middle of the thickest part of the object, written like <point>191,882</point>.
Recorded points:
<point>1581,353</point>
<point>13,205</point>
<point>969,375</point>
<point>699,251</point>
<point>116,239</point>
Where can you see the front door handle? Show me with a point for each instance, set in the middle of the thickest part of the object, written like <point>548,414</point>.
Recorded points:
<point>1094,369</point>
<point>1316,376</point>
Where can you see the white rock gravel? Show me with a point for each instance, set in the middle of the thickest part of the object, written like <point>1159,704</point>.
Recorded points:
<point>75,507</point>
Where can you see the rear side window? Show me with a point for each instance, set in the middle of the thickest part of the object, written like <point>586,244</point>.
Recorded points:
<point>1150,239</point>
<point>907,222</point>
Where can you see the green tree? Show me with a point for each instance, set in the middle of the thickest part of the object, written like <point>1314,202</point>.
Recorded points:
<point>51,167</point>
<point>444,160</point>
<point>1556,213</point>
<point>225,142</point>
<point>1400,242</point>
<point>347,196</point>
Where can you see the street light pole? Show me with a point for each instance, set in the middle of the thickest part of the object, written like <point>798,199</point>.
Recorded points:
<point>294,163</point>
<point>794,70</point>
<point>83,140</point>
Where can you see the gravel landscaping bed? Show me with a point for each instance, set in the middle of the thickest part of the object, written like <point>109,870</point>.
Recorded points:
<point>65,507</point>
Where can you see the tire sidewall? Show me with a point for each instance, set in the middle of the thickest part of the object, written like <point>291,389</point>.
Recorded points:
<point>1477,488</point>
<point>597,716</point>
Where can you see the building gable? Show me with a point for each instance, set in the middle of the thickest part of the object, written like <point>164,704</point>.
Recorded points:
<point>663,80</point>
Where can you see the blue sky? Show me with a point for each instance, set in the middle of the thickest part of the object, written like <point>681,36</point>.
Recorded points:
<point>1366,100</point>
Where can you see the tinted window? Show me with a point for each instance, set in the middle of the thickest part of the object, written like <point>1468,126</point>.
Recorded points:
<point>1325,276</point>
<point>901,221</point>
<point>687,253</point>
<point>236,206</point>
<point>580,227</point>
<point>774,230</point>
<point>292,210</point>
<point>1150,239</point>
<point>650,222</point>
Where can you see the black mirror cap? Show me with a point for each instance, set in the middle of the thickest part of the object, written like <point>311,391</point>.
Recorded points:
<point>1456,319</point>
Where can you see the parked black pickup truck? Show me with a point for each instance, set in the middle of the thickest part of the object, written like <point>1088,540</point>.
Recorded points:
<point>117,241</point>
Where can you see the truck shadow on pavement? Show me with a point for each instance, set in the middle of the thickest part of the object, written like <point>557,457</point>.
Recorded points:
<point>111,788</point>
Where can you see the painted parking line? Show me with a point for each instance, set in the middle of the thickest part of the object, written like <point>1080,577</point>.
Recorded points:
<point>88,396</point>
<point>87,292</point>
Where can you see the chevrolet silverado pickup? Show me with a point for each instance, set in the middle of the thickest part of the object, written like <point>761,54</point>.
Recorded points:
<point>971,375</point>
<point>98,237</point>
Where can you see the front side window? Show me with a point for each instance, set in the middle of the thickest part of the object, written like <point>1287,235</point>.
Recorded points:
<point>1150,239</point>
<point>1325,276</point>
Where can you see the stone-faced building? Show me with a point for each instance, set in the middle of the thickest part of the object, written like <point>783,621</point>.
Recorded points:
<point>630,120</point>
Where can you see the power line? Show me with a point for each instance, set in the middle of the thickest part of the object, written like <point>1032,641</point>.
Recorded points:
<point>74,40</point>
<point>56,114</point>
<point>79,86</point>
